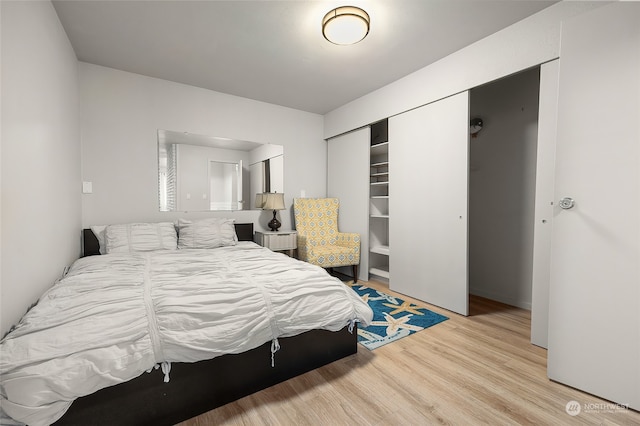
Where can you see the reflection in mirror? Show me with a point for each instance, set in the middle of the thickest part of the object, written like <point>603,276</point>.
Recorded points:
<point>201,173</point>
<point>225,185</point>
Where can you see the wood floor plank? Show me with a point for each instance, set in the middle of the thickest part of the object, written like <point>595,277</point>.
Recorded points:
<point>480,369</point>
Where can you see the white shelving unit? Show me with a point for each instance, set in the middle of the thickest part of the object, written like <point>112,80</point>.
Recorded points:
<point>379,210</point>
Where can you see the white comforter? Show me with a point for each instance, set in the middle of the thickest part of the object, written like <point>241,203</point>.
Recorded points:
<point>113,317</point>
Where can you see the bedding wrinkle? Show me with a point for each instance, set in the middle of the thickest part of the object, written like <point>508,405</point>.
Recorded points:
<point>275,331</point>
<point>150,309</point>
<point>115,316</point>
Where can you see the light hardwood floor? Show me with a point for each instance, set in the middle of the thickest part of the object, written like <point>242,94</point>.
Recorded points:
<point>473,370</point>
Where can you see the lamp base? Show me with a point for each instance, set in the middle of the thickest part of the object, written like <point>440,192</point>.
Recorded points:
<point>275,224</point>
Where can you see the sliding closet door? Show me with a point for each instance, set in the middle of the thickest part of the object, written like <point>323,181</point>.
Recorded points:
<point>545,162</point>
<point>428,175</point>
<point>348,180</point>
<point>594,311</point>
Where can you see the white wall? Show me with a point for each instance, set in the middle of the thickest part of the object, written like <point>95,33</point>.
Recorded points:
<point>527,43</point>
<point>40,229</point>
<point>502,189</point>
<point>121,113</point>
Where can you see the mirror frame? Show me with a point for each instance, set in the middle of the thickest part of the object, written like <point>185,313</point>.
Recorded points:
<point>263,164</point>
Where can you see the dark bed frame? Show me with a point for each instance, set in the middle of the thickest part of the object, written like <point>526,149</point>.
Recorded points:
<point>196,388</point>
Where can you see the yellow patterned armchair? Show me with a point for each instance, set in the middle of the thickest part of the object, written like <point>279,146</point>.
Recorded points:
<point>319,241</point>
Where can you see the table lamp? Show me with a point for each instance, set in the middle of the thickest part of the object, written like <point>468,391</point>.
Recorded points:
<point>271,201</point>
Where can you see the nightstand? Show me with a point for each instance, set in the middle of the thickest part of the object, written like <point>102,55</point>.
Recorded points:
<point>278,241</point>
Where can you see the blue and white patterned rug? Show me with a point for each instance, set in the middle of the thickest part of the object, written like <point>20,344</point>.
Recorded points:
<point>393,317</point>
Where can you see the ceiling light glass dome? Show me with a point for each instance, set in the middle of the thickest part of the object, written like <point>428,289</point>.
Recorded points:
<point>345,25</point>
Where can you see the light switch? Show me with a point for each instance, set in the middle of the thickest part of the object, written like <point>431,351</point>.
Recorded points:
<point>87,187</point>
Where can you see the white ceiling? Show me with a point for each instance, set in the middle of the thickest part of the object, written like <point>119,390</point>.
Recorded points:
<point>273,51</point>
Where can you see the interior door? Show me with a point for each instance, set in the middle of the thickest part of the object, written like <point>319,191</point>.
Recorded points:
<point>428,191</point>
<point>594,311</point>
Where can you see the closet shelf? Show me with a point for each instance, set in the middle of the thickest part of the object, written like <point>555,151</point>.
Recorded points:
<point>380,216</point>
<point>380,164</point>
<point>380,197</point>
<point>381,148</point>
<point>384,250</point>
<point>380,145</point>
<point>386,182</point>
<point>379,174</point>
<point>379,272</point>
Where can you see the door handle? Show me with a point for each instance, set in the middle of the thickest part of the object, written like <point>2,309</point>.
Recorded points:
<point>567,203</point>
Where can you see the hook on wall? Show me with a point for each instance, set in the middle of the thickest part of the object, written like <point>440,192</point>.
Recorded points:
<point>475,125</point>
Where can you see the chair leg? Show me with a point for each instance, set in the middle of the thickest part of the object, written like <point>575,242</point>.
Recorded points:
<point>355,273</point>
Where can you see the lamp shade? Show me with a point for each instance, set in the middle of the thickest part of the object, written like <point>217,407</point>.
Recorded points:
<point>273,201</point>
<point>345,25</point>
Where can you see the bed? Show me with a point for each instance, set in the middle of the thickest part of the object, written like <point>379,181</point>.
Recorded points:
<point>207,363</point>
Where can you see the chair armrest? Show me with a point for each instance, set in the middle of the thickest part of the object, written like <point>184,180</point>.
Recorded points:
<point>305,247</point>
<point>348,239</point>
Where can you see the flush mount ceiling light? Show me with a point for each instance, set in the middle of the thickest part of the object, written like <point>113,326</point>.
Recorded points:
<point>345,25</point>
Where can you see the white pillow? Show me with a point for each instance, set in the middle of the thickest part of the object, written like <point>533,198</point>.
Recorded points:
<point>206,234</point>
<point>140,237</point>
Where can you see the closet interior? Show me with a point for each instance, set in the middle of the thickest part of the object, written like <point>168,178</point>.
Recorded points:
<point>502,187</point>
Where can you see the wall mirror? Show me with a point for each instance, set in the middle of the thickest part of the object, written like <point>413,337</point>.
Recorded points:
<point>205,173</point>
